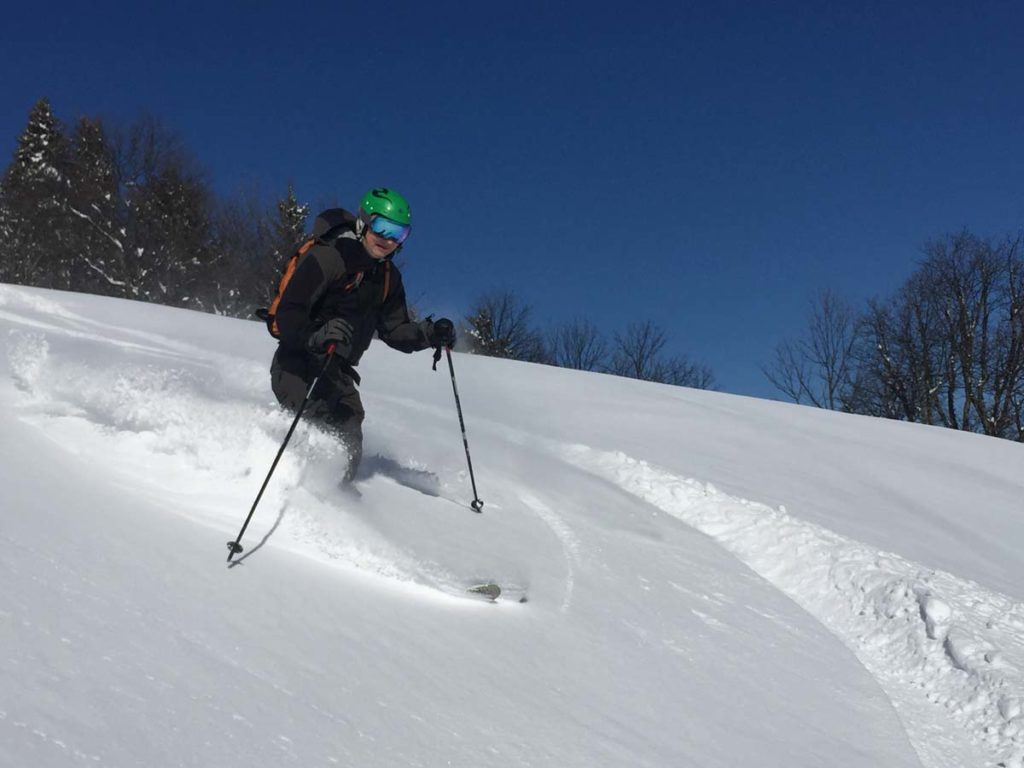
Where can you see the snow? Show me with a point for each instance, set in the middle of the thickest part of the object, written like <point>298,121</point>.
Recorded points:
<point>709,580</point>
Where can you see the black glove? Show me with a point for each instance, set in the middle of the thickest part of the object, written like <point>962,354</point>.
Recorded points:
<point>443,333</point>
<point>337,331</point>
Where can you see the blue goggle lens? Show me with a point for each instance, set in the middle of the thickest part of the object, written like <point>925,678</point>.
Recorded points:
<point>389,229</point>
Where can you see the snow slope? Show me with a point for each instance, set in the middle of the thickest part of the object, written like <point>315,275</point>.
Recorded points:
<point>711,580</point>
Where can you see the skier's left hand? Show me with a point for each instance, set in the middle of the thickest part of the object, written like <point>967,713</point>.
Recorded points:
<point>443,333</point>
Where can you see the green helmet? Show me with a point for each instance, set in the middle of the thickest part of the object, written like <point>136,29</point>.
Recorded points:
<point>387,203</point>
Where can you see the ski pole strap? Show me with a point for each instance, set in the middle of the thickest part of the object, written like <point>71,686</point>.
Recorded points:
<point>349,371</point>
<point>437,357</point>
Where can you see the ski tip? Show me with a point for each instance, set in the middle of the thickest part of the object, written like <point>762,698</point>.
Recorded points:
<point>490,591</point>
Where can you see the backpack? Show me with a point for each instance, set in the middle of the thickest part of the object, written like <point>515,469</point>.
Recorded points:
<point>329,226</point>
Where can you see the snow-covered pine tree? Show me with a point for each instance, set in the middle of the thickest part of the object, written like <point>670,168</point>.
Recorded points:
<point>95,217</point>
<point>171,236</point>
<point>7,249</point>
<point>287,233</point>
<point>290,225</point>
<point>33,196</point>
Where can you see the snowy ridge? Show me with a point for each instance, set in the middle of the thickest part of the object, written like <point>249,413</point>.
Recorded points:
<point>915,629</point>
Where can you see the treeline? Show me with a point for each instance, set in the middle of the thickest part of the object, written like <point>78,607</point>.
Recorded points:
<point>499,325</point>
<point>126,212</point>
<point>947,349</point>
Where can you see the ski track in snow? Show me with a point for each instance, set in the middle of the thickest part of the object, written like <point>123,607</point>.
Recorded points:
<point>567,538</point>
<point>928,637</point>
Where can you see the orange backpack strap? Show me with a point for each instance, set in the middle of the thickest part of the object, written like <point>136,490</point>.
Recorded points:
<point>354,283</point>
<point>357,279</point>
<point>269,315</point>
<point>286,276</point>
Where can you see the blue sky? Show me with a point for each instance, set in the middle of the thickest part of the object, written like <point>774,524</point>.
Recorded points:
<point>708,166</point>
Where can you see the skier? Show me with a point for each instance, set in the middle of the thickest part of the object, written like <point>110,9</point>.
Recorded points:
<point>343,289</point>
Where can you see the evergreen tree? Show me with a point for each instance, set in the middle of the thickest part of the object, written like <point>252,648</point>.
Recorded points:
<point>93,213</point>
<point>33,196</point>
<point>128,214</point>
<point>170,237</point>
<point>288,231</point>
<point>290,226</point>
<point>7,248</point>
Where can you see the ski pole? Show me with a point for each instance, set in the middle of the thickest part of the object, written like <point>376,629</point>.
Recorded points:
<point>235,547</point>
<point>476,504</point>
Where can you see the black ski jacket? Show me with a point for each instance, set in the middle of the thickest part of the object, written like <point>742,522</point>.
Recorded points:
<point>338,278</point>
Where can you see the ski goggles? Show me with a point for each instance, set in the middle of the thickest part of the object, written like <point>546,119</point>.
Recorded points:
<point>391,230</point>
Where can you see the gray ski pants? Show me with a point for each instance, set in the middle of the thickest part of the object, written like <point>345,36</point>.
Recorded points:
<point>333,405</point>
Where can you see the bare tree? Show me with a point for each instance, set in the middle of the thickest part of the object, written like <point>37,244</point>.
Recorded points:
<point>579,344</point>
<point>499,326</point>
<point>904,363</point>
<point>246,269</point>
<point>683,372</point>
<point>638,353</point>
<point>144,149</point>
<point>818,367</point>
<point>948,349</point>
<point>167,223</point>
<point>1011,339</point>
<point>976,288</point>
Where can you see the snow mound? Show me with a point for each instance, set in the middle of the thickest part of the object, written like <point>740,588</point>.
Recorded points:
<point>915,629</point>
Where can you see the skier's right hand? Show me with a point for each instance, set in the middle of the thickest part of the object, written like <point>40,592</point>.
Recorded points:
<point>336,331</point>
